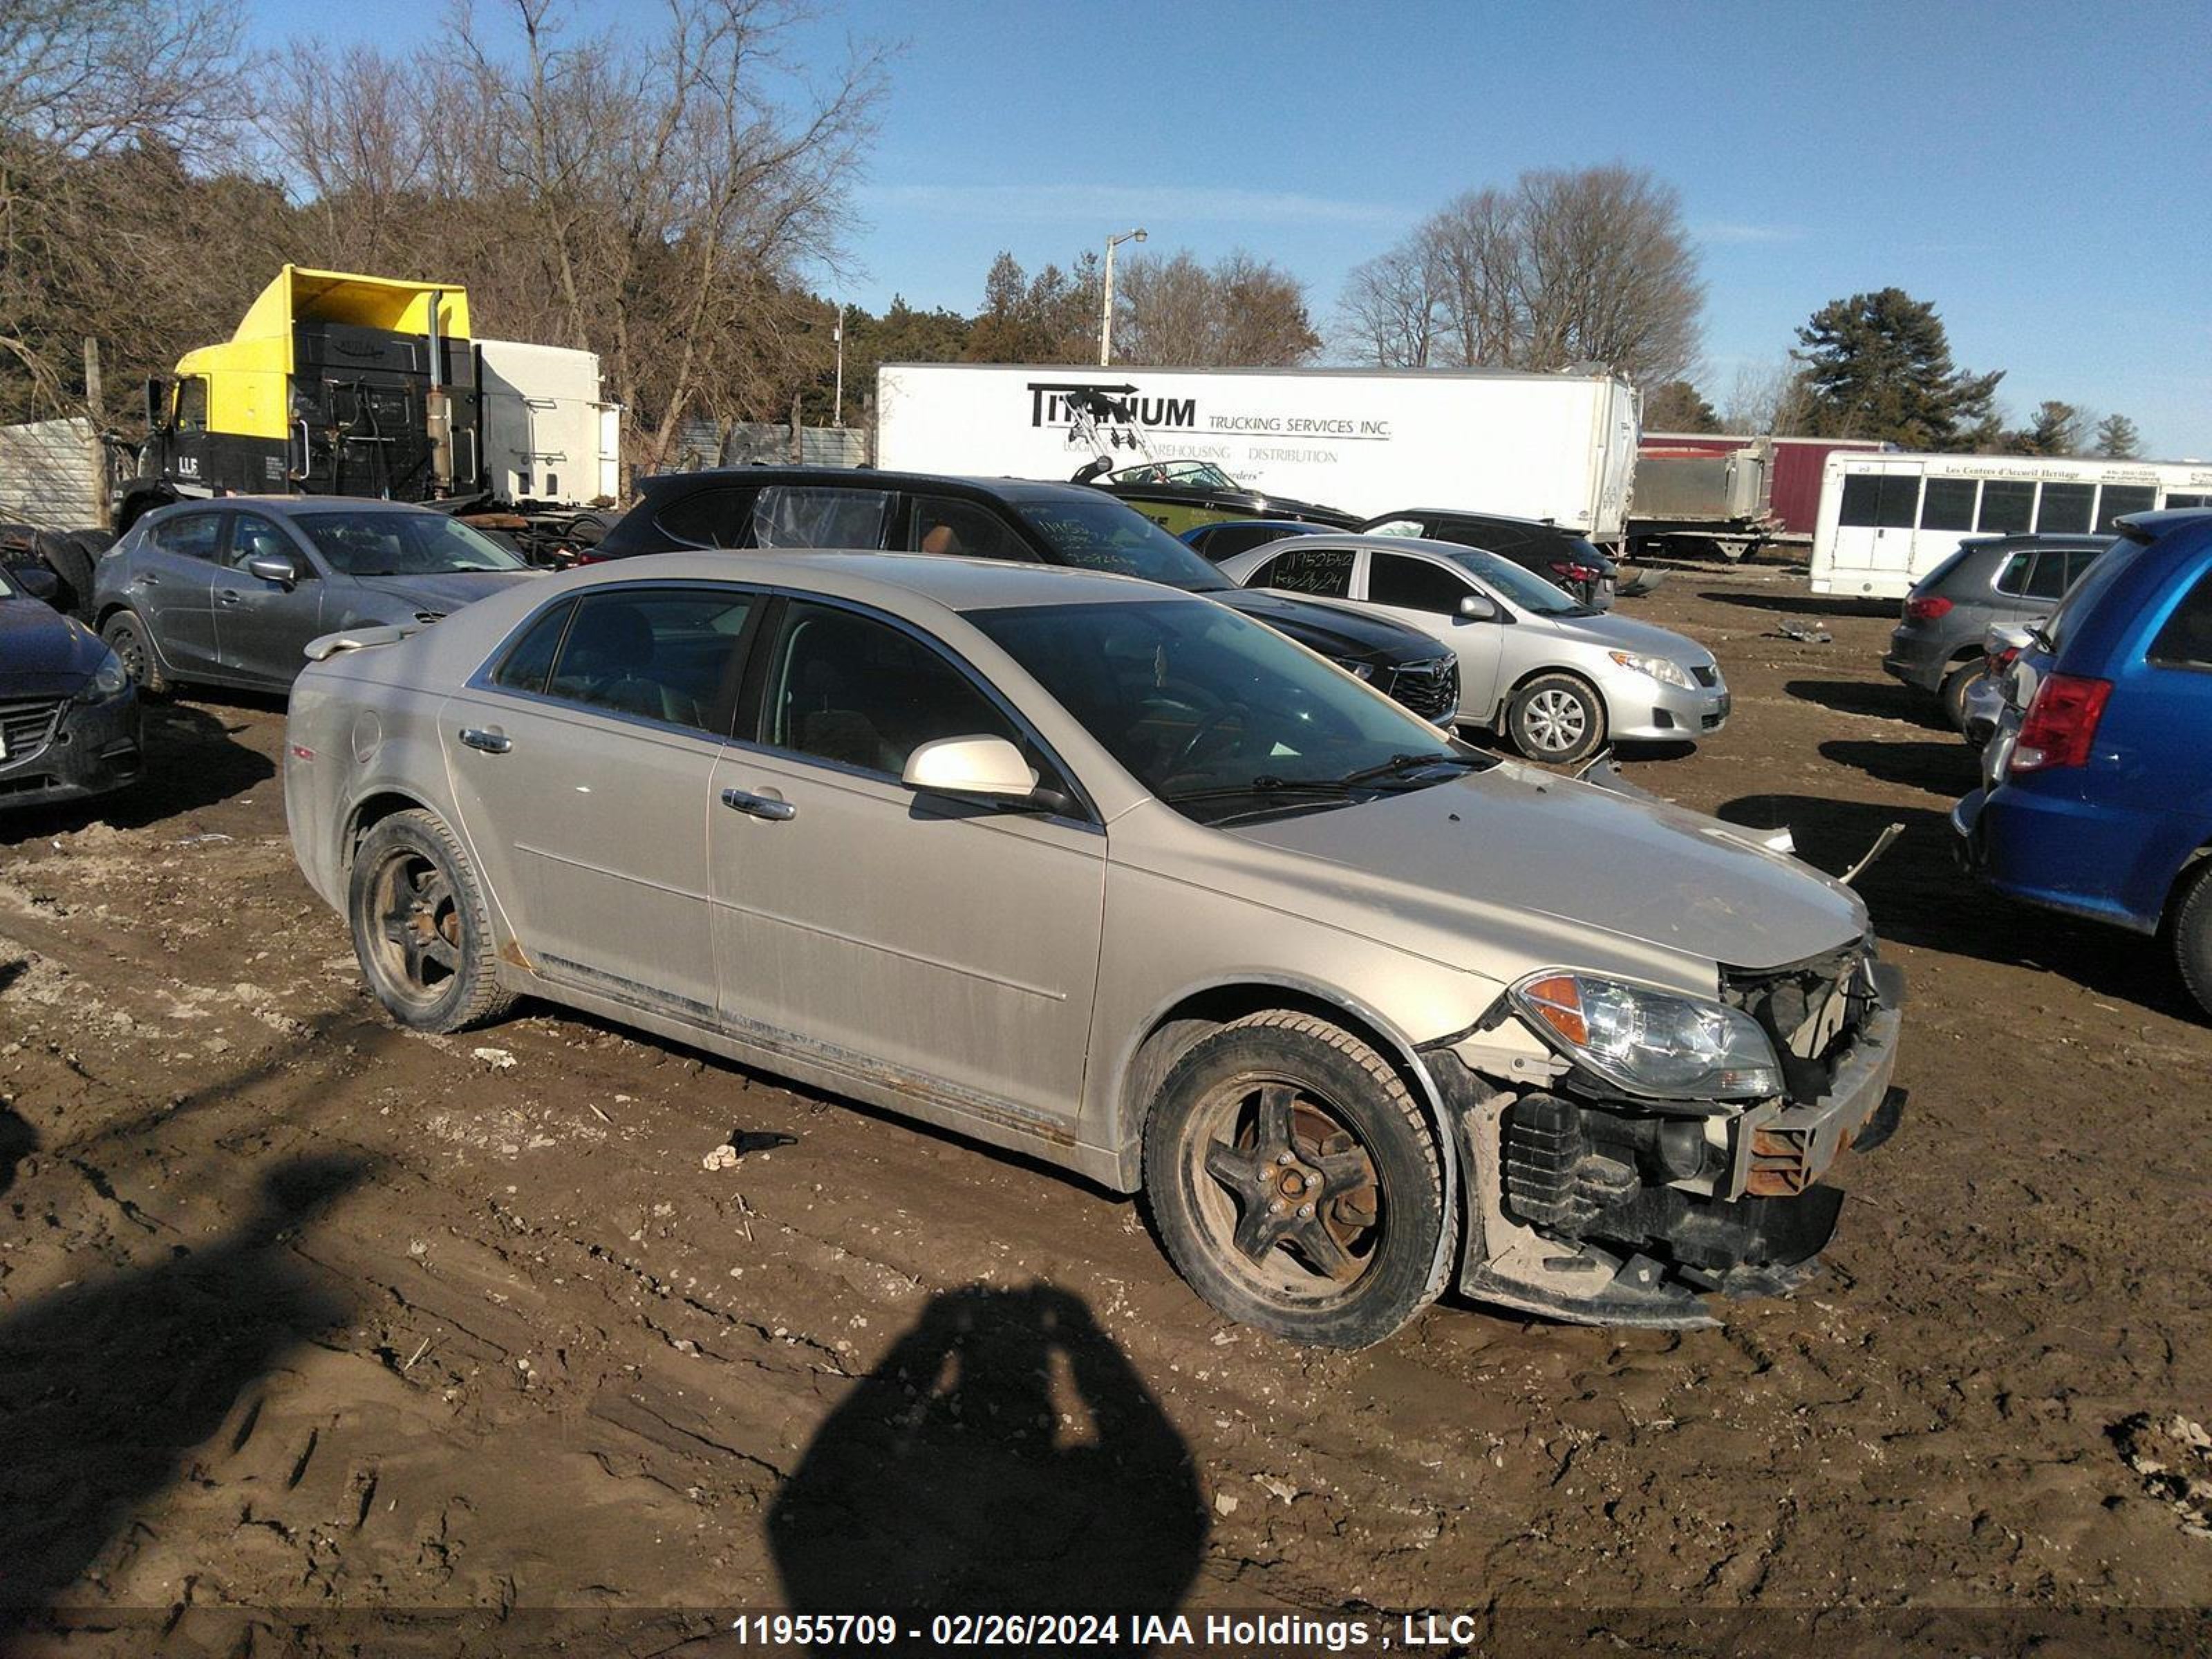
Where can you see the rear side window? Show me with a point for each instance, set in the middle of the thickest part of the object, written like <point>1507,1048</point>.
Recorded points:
<point>946,524</point>
<point>2048,579</point>
<point>2008,507</point>
<point>806,516</point>
<point>2066,507</point>
<point>1232,539</point>
<point>668,654</point>
<point>1413,585</point>
<point>1395,527</point>
<point>191,535</point>
<point>710,517</point>
<point>1325,572</point>
<point>2185,641</point>
<point>1949,504</point>
<point>525,667</point>
<point>2078,562</point>
<point>2012,578</point>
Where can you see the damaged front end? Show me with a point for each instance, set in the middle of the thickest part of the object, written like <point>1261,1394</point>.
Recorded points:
<point>1629,1151</point>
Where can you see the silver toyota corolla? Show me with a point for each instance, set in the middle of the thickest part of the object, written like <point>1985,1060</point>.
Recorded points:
<point>1113,875</point>
<point>1536,663</point>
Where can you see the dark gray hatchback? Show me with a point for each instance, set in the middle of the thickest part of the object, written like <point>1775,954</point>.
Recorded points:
<point>1937,645</point>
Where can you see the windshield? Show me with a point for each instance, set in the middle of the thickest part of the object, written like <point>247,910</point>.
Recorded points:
<point>1203,475</point>
<point>1525,588</point>
<point>1105,534</point>
<point>1219,716</point>
<point>387,543</point>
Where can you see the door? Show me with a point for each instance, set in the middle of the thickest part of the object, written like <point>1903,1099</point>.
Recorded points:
<point>583,762</point>
<point>919,934</point>
<point>1425,593</point>
<point>172,587</point>
<point>1874,528</point>
<point>261,626</point>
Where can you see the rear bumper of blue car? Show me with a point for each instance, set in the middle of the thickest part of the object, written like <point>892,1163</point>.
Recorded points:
<point>2062,853</point>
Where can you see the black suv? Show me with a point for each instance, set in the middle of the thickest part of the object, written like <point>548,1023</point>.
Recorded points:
<point>762,506</point>
<point>1560,557</point>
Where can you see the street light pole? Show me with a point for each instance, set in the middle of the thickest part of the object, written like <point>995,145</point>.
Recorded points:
<point>837,333</point>
<point>1106,304</point>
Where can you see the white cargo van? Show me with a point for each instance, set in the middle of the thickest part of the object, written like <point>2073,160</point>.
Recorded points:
<point>1560,446</point>
<point>1888,520</point>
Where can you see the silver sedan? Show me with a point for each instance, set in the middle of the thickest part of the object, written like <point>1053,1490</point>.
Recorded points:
<point>1536,665</point>
<point>1114,876</point>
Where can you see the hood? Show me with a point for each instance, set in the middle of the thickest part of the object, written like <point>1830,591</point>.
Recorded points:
<point>44,653</point>
<point>1331,631</point>
<point>447,593</point>
<point>1617,633</point>
<point>1501,858</point>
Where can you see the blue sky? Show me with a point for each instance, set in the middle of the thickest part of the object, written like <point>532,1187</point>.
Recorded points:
<point>2040,172</point>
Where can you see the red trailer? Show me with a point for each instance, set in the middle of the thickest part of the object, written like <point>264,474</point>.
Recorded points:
<point>1794,475</point>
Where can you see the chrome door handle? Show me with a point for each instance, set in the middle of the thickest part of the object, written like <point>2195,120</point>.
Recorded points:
<point>760,806</point>
<point>492,743</point>
<point>230,596</point>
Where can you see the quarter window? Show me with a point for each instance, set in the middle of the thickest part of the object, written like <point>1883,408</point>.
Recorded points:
<point>658,653</point>
<point>2048,579</point>
<point>1325,572</point>
<point>2079,561</point>
<point>2185,641</point>
<point>803,515</point>
<point>1413,585</point>
<point>2066,508</point>
<point>191,535</point>
<point>1949,504</point>
<point>2008,507</point>
<point>855,691</point>
<point>525,667</point>
<point>2012,578</point>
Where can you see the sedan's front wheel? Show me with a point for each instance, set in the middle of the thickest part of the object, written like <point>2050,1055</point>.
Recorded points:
<point>1558,718</point>
<point>1295,1181</point>
<point>421,928</point>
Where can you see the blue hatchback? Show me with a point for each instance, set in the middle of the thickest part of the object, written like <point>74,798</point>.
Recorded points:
<point>2101,803</point>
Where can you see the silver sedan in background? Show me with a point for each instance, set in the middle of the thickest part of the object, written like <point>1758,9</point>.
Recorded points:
<point>1114,875</point>
<point>1536,665</point>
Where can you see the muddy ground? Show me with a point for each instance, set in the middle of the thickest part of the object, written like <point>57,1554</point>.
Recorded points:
<point>301,1313</point>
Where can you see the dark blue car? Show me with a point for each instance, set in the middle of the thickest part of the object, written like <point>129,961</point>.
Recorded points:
<point>2098,798</point>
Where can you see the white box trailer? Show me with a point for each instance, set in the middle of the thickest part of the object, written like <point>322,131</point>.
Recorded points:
<point>548,436</point>
<point>1888,520</point>
<point>1560,446</point>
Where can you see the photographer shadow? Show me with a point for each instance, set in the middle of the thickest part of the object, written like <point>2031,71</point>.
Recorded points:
<point>1004,1457</point>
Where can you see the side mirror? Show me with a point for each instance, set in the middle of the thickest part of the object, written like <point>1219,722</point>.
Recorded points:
<point>971,766</point>
<point>279,568</point>
<point>2004,637</point>
<point>157,403</point>
<point>37,582</point>
<point>1475,608</point>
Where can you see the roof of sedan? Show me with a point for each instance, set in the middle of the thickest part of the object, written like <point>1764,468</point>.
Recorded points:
<point>288,506</point>
<point>955,583</point>
<point>1010,489</point>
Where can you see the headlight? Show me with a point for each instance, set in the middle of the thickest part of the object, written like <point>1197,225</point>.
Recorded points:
<point>1364,670</point>
<point>1659,669</point>
<point>1651,1042</point>
<point>108,680</point>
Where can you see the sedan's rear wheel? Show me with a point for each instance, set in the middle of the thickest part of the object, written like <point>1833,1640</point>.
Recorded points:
<point>1952,693</point>
<point>1295,1182</point>
<point>1558,718</point>
<point>421,929</point>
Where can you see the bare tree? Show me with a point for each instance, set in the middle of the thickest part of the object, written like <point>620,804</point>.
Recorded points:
<point>1766,398</point>
<point>1592,265</point>
<point>1242,311</point>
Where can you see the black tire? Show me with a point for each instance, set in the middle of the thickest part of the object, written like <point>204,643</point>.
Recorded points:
<point>127,638</point>
<point>1557,718</point>
<point>72,567</point>
<point>422,931</point>
<point>1360,1256</point>
<point>2193,935</point>
<point>1952,692</point>
<point>93,542</point>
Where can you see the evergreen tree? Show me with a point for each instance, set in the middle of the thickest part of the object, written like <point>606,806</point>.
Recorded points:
<point>2118,439</point>
<point>1678,406</point>
<point>1879,365</point>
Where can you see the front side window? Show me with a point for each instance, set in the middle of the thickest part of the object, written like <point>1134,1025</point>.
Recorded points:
<point>253,537</point>
<point>192,404</point>
<point>191,535</point>
<point>1324,572</point>
<point>670,654</point>
<point>1217,714</point>
<point>403,543</point>
<point>1949,504</point>
<point>807,515</point>
<point>1101,533</point>
<point>1523,587</point>
<point>2185,641</point>
<point>1413,585</point>
<point>946,524</point>
<point>854,690</point>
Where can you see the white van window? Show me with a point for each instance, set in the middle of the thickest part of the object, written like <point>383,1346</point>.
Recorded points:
<point>1949,504</point>
<point>1883,501</point>
<point>2008,507</point>
<point>2066,508</point>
